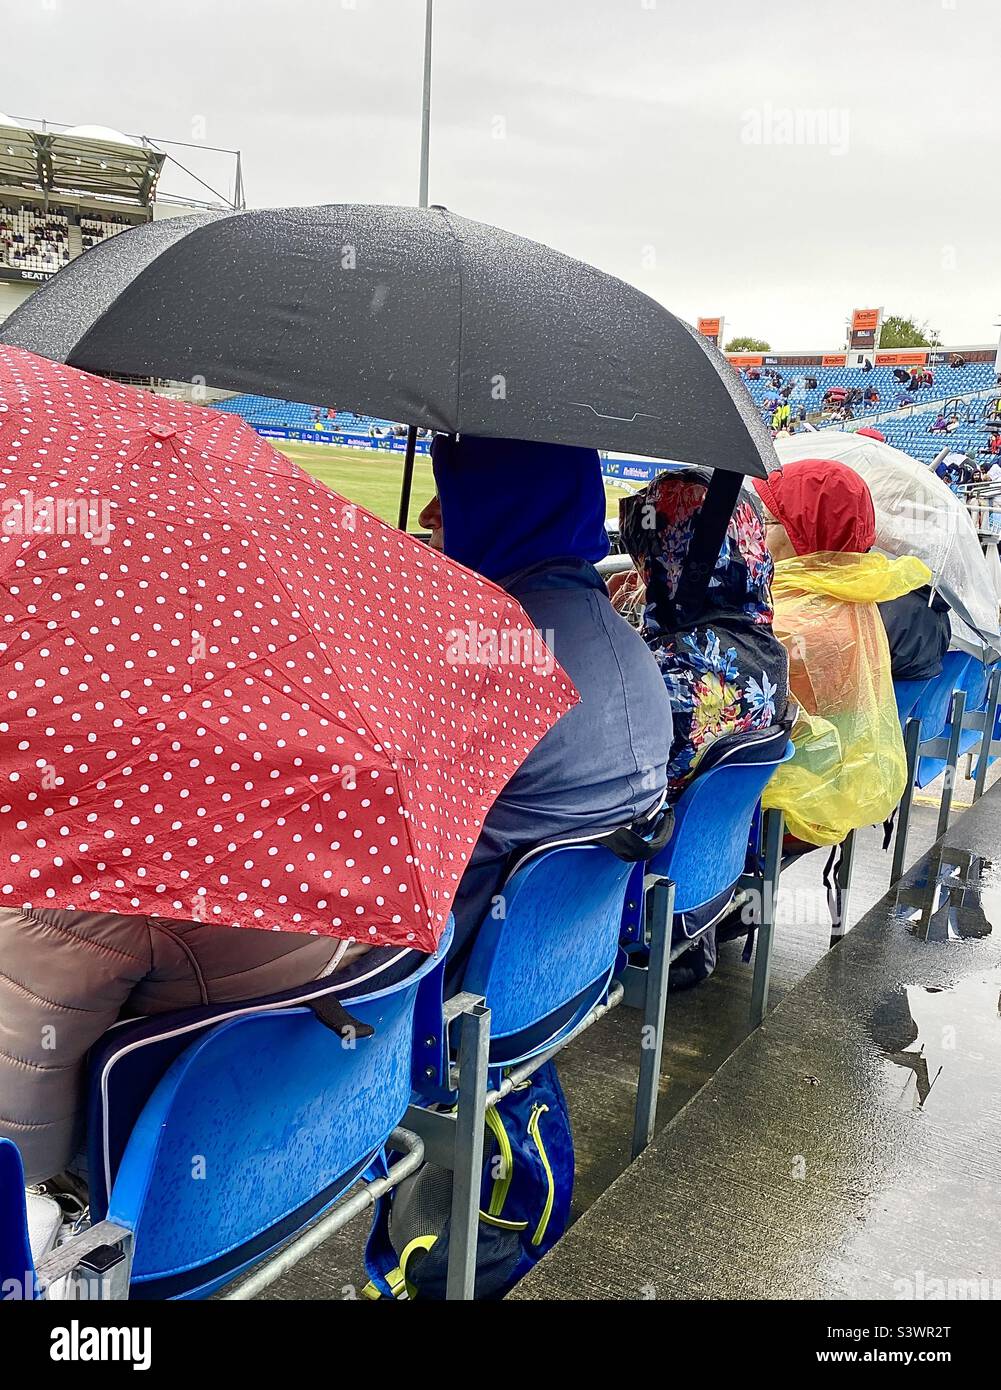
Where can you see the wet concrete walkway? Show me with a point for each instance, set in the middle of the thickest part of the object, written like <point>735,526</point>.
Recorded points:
<point>851,1147</point>
<point>704,1027</point>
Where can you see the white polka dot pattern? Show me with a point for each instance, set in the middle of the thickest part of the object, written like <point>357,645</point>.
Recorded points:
<point>226,692</point>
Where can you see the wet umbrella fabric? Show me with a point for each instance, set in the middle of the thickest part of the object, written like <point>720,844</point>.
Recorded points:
<point>409,314</point>
<point>231,695</point>
<point>916,514</point>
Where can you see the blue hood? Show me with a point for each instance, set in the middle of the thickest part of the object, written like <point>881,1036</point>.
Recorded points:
<point>507,504</point>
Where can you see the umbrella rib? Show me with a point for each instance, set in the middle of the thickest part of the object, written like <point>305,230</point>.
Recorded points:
<point>621,419</point>
<point>411,847</point>
<point>265,560</point>
<point>457,243</point>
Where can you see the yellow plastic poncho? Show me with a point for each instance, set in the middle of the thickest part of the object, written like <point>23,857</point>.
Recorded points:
<point>849,768</point>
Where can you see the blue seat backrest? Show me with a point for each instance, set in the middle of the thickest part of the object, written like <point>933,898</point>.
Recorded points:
<point>974,681</point>
<point>907,695</point>
<point>17,1268</point>
<point>556,943</point>
<point>256,1126</point>
<point>707,852</point>
<point>933,707</point>
<point>128,1062</point>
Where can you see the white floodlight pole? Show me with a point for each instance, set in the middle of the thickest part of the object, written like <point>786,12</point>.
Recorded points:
<point>426,107</point>
<point>422,201</point>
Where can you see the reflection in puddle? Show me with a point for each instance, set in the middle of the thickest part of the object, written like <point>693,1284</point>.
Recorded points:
<point>942,1043</point>
<point>936,1037</point>
<point>946,900</point>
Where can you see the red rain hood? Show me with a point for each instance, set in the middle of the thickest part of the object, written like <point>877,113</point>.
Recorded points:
<point>822,504</point>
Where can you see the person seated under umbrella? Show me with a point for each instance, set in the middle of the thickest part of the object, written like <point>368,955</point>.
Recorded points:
<point>725,671</point>
<point>531,518</point>
<point>111,964</point>
<point>849,768</point>
<point>723,667</point>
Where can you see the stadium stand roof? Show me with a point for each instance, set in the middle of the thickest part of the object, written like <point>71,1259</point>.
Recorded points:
<point>79,160</point>
<point>95,161</point>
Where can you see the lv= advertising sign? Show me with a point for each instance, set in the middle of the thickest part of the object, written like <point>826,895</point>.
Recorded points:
<point>864,332</point>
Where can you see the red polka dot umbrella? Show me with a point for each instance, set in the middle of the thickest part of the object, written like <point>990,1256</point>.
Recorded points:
<point>230,695</point>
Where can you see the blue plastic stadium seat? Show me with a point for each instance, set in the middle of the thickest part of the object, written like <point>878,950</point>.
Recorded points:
<point>907,694</point>
<point>17,1269</point>
<point>264,410</point>
<point>933,707</point>
<point>222,1132</point>
<point>550,959</point>
<point>707,853</point>
<point>933,710</point>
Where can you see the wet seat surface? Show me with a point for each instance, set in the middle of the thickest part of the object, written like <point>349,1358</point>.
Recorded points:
<point>851,1147</point>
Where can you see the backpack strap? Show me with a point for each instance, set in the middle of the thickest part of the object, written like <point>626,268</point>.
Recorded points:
<point>707,540</point>
<point>501,1183</point>
<point>386,1279</point>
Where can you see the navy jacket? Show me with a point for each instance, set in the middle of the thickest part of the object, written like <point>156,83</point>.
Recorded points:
<point>531,517</point>
<point>918,634</point>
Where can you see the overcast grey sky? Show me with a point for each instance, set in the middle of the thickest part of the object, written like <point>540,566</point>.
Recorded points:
<point>650,137</point>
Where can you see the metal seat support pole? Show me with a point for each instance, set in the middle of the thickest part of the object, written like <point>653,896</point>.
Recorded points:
<point>990,716</point>
<point>774,829</point>
<point>660,904</point>
<point>474,1052</point>
<point>952,762</point>
<point>912,738</point>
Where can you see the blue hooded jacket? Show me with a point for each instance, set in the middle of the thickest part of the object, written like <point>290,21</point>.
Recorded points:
<point>507,504</point>
<point>531,517</point>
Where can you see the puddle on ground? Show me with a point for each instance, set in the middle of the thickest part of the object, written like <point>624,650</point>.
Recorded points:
<point>942,1047</point>
<point>942,1044</point>
<point>955,897</point>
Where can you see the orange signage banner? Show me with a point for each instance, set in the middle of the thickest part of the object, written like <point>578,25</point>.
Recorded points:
<point>864,332</point>
<point>746,359</point>
<point>833,359</point>
<point>916,357</point>
<point>710,328</point>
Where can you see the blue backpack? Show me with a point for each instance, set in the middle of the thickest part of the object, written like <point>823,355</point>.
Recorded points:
<point>525,1196</point>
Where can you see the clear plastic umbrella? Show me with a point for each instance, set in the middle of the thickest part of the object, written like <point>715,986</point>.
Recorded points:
<point>916,514</point>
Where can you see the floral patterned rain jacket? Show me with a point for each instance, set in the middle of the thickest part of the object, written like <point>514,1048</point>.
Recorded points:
<point>726,672</point>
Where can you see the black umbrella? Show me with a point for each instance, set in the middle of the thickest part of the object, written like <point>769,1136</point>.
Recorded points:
<point>411,314</point>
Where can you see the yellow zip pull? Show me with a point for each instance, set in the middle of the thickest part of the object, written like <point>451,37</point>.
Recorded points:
<point>547,1210</point>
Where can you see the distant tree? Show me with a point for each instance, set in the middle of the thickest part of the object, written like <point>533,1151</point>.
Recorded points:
<point>898,332</point>
<point>747,345</point>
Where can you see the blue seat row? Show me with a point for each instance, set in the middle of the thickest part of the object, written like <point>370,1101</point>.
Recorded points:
<point>266,410</point>
<point>220,1136</point>
<point>223,1135</point>
<point>955,713</point>
<point>948,382</point>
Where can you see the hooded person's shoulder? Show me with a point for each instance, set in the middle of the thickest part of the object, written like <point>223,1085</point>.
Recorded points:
<point>849,577</point>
